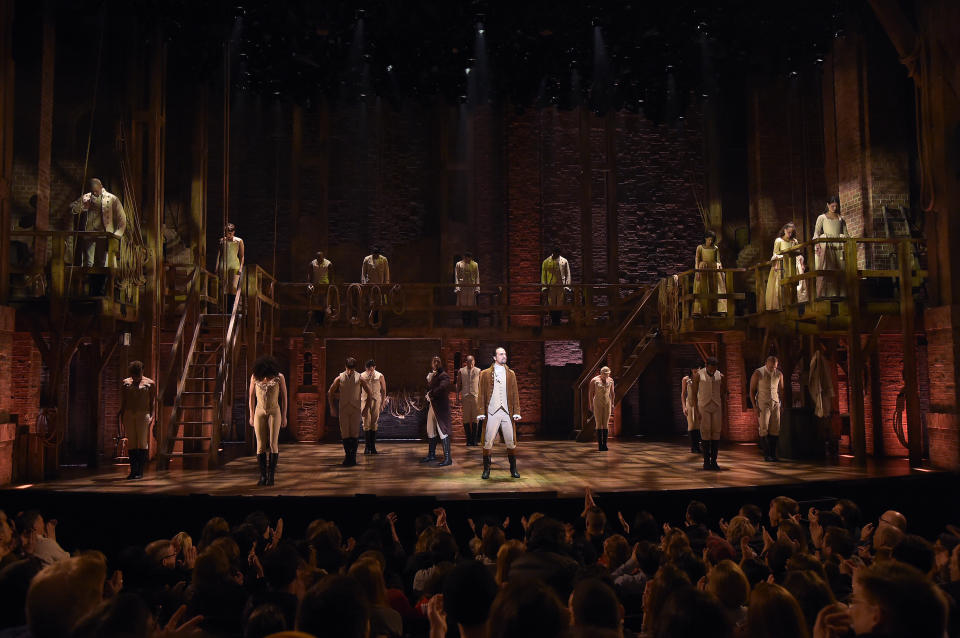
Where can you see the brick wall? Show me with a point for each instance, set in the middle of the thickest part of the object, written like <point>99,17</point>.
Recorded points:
<point>741,423</point>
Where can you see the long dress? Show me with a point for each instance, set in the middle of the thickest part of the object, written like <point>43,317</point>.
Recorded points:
<point>830,256</point>
<point>784,266</point>
<point>707,283</point>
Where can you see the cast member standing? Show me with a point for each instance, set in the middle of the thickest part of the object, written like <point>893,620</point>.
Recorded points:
<point>138,401</point>
<point>601,403</point>
<point>267,391</point>
<point>229,263</point>
<point>468,388</point>
<point>375,268</point>
<point>708,387</point>
<point>372,405</point>
<point>467,276</point>
<point>706,283</point>
<point>687,398</point>
<point>500,405</point>
<point>438,394</point>
<point>554,281</point>
<point>350,385</point>
<point>830,255</point>
<point>766,385</point>
<point>103,213</point>
<point>784,266</point>
<point>317,281</point>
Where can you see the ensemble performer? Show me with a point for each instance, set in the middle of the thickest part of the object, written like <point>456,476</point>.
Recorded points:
<point>708,388</point>
<point>830,256</point>
<point>785,265</point>
<point>375,268</point>
<point>600,400</point>
<point>350,385</point>
<point>687,398</point>
<point>706,283</point>
<point>372,405</point>
<point>268,390</point>
<point>102,212</point>
<point>438,417</point>
<point>468,389</point>
<point>554,281</point>
<point>229,263</point>
<point>138,402</point>
<point>466,275</point>
<point>500,404</point>
<point>766,384</point>
<point>318,278</point>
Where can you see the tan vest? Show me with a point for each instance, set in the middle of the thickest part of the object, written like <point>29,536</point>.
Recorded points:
<point>708,392</point>
<point>769,387</point>
<point>470,381</point>
<point>350,389</point>
<point>374,384</point>
<point>498,398</point>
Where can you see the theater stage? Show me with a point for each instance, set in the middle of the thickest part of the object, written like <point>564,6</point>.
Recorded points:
<point>558,469</point>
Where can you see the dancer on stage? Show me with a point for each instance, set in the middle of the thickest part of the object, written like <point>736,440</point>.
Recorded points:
<point>375,268</point>
<point>708,388</point>
<point>350,385</point>
<point>229,263</point>
<point>555,280</point>
<point>766,384</point>
<point>466,276</point>
<point>500,401</point>
<point>830,256</point>
<point>317,281</point>
<point>468,388</point>
<point>268,390</point>
<point>372,405</point>
<point>686,402</point>
<point>438,389</point>
<point>707,283</point>
<point>601,404</point>
<point>138,402</point>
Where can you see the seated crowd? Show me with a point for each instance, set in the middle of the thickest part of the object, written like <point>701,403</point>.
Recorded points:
<point>780,573</point>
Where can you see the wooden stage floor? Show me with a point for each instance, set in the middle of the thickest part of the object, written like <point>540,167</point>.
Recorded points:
<point>556,468</point>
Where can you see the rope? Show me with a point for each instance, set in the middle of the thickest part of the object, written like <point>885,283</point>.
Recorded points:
<point>333,291</point>
<point>397,300</point>
<point>375,317</point>
<point>354,302</point>
<point>898,411</point>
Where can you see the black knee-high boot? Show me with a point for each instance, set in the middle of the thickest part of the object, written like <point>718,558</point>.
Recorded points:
<point>366,442</point>
<point>447,455</point>
<point>694,441</point>
<point>705,446</point>
<point>764,443</point>
<point>468,434</point>
<point>772,442</point>
<point>262,462</point>
<point>486,466</point>
<point>349,459</point>
<point>373,442</point>
<point>714,451</point>
<point>513,464</point>
<point>599,440</point>
<point>431,450</point>
<point>477,438</point>
<point>272,467</point>
<point>133,456</point>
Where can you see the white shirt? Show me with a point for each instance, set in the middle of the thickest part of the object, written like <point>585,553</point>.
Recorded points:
<point>373,382</point>
<point>375,271</point>
<point>708,390</point>
<point>350,388</point>
<point>768,388</point>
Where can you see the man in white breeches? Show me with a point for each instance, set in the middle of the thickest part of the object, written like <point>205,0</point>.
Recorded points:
<point>766,385</point>
<point>500,400</point>
<point>708,387</point>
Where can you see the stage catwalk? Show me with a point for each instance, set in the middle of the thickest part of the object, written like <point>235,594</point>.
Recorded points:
<point>555,468</point>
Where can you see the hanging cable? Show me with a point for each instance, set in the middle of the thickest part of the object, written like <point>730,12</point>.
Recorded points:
<point>354,304</point>
<point>332,309</point>
<point>375,317</point>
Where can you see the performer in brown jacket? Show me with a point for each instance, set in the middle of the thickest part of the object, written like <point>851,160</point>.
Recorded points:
<point>500,404</point>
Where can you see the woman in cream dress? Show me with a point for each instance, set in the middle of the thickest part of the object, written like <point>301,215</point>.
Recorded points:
<point>830,256</point>
<point>708,258</point>
<point>785,265</point>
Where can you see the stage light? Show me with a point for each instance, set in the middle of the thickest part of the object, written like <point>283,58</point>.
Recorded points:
<point>467,70</point>
<point>389,68</point>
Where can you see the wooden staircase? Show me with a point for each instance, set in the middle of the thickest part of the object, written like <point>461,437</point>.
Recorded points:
<point>639,349</point>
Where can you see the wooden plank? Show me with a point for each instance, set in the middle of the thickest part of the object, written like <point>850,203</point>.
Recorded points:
<point>911,386</point>
<point>586,195</point>
<point>855,355</point>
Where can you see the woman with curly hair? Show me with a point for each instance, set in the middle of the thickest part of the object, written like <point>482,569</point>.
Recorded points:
<point>268,390</point>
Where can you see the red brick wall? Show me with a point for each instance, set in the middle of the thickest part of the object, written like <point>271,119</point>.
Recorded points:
<point>943,423</point>
<point>741,423</point>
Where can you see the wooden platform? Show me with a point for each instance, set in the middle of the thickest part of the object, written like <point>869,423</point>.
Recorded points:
<point>549,468</point>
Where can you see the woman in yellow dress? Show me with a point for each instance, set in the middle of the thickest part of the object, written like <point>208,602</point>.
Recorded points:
<point>829,256</point>
<point>784,266</point>
<point>706,283</point>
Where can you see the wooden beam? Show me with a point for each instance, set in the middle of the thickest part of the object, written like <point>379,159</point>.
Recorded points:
<point>45,129</point>
<point>855,355</point>
<point>7,84</point>
<point>876,402</point>
<point>586,195</point>
<point>911,386</point>
<point>613,246</point>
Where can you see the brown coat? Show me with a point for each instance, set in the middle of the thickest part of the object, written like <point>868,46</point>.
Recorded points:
<point>486,391</point>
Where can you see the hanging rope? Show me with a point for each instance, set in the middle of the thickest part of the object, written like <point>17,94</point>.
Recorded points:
<point>915,63</point>
<point>354,304</point>
<point>375,317</point>
<point>397,300</point>
<point>333,309</point>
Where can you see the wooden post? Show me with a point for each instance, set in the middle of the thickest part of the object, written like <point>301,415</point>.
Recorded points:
<point>45,131</point>
<point>586,209</point>
<point>907,319</point>
<point>855,354</point>
<point>198,182</point>
<point>6,141</point>
<point>876,402</point>
<point>613,247</point>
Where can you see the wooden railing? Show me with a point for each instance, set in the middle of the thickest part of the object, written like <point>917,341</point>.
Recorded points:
<point>225,366</point>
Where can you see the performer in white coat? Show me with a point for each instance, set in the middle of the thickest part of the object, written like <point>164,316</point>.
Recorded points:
<point>467,276</point>
<point>554,281</point>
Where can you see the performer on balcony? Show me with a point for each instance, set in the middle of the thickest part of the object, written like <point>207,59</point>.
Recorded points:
<point>600,400</point>
<point>830,256</point>
<point>500,402</point>
<point>468,388</point>
<point>438,417</point>
<point>707,283</point>
<point>372,405</point>
<point>102,212</point>
<point>317,280</point>
<point>350,386</point>
<point>555,280</point>
<point>375,268</point>
<point>687,398</point>
<point>466,276</point>
<point>229,264</point>
<point>785,265</point>
<point>708,388</point>
<point>267,391</point>
<point>138,402</point>
<point>766,385</point>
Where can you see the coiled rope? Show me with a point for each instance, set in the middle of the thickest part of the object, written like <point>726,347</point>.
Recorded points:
<point>354,304</point>
<point>397,300</point>
<point>375,317</point>
<point>333,308</point>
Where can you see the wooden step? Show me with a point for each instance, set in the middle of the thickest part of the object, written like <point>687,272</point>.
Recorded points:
<point>190,438</point>
<point>196,422</point>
